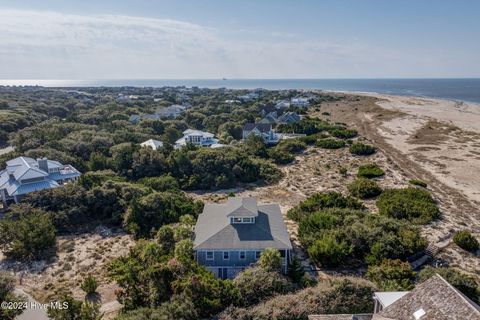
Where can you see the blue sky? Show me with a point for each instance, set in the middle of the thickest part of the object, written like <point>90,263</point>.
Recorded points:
<point>239,39</point>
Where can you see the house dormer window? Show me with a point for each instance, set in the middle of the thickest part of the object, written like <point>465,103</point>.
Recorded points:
<point>238,220</point>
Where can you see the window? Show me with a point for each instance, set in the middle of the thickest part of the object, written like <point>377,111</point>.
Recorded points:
<point>209,255</point>
<point>242,255</point>
<point>226,255</point>
<point>257,254</point>
<point>246,220</point>
<point>236,220</point>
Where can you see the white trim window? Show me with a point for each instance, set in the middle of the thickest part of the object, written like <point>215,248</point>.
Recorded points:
<point>242,255</point>
<point>226,255</point>
<point>209,255</point>
<point>258,254</point>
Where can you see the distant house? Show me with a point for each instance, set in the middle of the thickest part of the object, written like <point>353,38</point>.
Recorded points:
<point>152,143</point>
<point>263,130</point>
<point>171,112</point>
<point>288,117</point>
<point>270,118</point>
<point>300,102</point>
<point>282,104</point>
<point>197,138</point>
<point>168,112</point>
<point>433,299</point>
<point>24,175</point>
<point>249,97</point>
<point>230,237</point>
<point>134,119</point>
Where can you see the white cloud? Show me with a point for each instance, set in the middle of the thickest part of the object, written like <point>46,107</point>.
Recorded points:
<point>44,44</point>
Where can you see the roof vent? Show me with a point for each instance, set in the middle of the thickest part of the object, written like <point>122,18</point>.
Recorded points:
<point>419,314</point>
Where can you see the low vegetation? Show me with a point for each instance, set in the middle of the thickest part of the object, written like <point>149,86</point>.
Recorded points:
<point>340,296</point>
<point>392,275</point>
<point>416,205</point>
<point>370,170</point>
<point>418,182</point>
<point>465,240</point>
<point>27,233</point>
<point>330,143</point>
<point>336,231</point>
<point>361,149</point>
<point>364,188</point>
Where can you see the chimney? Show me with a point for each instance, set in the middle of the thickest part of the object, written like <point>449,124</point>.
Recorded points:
<point>43,164</point>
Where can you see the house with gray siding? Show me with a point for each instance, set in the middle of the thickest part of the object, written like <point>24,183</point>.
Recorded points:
<point>231,236</point>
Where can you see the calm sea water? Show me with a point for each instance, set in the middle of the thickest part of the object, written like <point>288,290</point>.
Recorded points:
<point>454,89</point>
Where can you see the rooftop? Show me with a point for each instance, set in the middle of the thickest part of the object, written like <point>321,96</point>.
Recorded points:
<point>437,298</point>
<point>214,231</point>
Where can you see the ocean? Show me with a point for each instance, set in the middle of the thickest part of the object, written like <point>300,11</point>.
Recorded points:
<point>452,89</point>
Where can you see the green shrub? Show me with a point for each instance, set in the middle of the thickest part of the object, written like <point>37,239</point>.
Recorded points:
<point>163,183</point>
<point>330,143</point>
<point>418,182</point>
<point>327,251</point>
<point>364,188</point>
<point>361,149</point>
<point>27,233</point>
<point>370,170</point>
<point>392,275</point>
<point>89,285</point>
<point>256,284</point>
<point>291,146</point>
<point>466,241</point>
<point>280,157</point>
<point>270,260</point>
<point>309,140</point>
<point>343,133</point>
<point>340,296</point>
<point>319,201</point>
<point>416,205</point>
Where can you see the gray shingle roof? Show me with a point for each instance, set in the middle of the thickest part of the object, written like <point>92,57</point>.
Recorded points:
<point>262,127</point>
<point>437,298</point>
<point>214,231</point>
<point>242,207</point>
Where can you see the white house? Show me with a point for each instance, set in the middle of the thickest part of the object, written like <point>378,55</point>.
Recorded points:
<point>300,102</point>
<point>249,96</point>
<point>282,104</point>
<point>152,143</point>
<point>197,138</point>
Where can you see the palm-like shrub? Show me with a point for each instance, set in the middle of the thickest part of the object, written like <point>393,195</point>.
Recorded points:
<point>89,285</point>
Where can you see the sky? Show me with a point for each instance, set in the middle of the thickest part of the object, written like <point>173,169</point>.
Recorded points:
<point>203,39</point>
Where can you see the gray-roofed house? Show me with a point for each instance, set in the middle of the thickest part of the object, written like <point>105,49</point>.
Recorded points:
<point>270,118</point>
<point>152,143</point>
<point>24,175</point>
<point>288,117</point>
<point>231,236</point>
<point>263,130</point>
<point>171,112</point>
<point>430,300</point>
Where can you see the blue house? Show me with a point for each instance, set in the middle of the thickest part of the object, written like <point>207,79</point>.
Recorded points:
<point>230,237</point>
<point>24,175</point>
